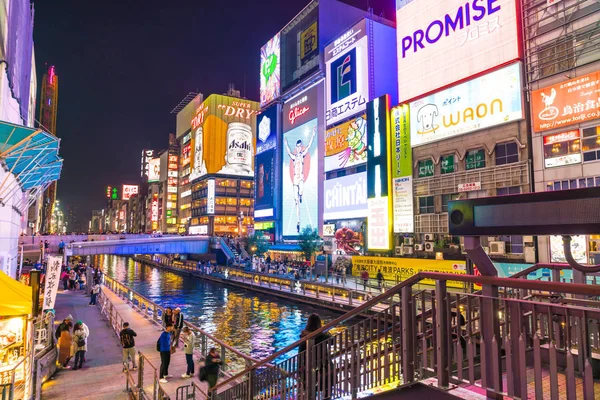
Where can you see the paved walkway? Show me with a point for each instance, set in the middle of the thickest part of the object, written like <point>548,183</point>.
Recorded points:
<point>101,376</point>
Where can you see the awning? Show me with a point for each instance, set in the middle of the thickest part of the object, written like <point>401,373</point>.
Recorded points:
<point>285,247</point>
<point>30,154</point>
<point>15,297</point>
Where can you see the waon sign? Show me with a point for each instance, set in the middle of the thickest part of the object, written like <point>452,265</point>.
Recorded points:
<point>566,103</point>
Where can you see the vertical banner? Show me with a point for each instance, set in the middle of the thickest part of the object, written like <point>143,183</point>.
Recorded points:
<point>210,197</point>
<point>52,279</point>
<point>378,165</point>
<point>402,186</point>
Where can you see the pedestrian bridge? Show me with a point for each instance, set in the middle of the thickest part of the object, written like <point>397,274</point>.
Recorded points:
<point>148,245</point>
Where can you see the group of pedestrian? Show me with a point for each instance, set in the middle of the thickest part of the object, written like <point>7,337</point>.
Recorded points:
<point>72,344</point>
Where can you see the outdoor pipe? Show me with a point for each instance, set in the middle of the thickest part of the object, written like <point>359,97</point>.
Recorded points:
<point>574,264</point>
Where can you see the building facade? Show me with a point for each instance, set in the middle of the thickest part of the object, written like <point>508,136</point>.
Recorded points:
<point>563,82</point>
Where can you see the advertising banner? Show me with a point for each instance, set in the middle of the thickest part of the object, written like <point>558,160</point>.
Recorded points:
<point>566,103</point>
<point>267,129</point>
<point>346,144</point>
<point>379,221</point>
<point>145,168</point>
<point>210,197</point>
<point>403,268</point>
<point>443,41</point>
<point>402,187</point>
<point>128,191</point>
<point>347,74</point>
<point>301,109</point>
<point>265,185</point>
<point>52,280</point>
<point>154,170</point>
<point>345,197</point>
<point>487,101</point>
<point>300,46</point>
<point>270,67</point>
<point>299,178</point>
<point>223,141</point>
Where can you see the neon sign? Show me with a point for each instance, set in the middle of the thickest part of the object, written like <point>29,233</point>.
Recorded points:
<point>297,112</point>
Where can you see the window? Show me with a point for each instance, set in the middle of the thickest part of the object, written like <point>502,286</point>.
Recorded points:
<point>591,144</point>
<point>446,198</point>
<point>513,244</point>
<point>557,57</point>
<point>426,205</point>
<point>447,164</point>
<point>475,159</point>
<point>425,168</point>
<point>562,149</point>
<point>508,190</point>
<point>507,153</point>
<point>573,184</point>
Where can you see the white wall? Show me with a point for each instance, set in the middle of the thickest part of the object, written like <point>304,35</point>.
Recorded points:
<point>10,224</point>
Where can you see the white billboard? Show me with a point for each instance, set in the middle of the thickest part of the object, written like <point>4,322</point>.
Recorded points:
<point>492,99</point>
<point>440,42</point>
<point>128,191</point>
<point>347,74</point>
<point>210,197</point>
<point>154,170</point>
<point>403,205</point>
<point>345,197</point>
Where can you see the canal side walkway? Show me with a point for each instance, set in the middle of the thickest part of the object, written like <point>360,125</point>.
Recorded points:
<point>102,374</point>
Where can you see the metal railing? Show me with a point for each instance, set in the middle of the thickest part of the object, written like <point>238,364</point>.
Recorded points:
<point>235,360</point>
<point>16,382</point>
<point>488,339</point>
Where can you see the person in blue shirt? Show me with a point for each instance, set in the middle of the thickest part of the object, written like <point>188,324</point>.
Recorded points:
<point>163,345</point>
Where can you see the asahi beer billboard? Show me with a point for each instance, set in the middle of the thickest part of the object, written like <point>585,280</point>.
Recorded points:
<point>223,131</point>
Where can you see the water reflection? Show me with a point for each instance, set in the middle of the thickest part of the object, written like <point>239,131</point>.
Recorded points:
<point>254,323</point>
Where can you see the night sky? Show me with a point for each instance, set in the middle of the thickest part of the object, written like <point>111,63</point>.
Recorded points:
<point>124,65</point>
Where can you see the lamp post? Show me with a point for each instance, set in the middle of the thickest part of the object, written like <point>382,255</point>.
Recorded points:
<point>241,223</point>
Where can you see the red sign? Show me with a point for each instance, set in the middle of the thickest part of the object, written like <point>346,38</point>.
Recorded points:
<point>561,137</point>
<point>297,112</point>
<point>566,103</point>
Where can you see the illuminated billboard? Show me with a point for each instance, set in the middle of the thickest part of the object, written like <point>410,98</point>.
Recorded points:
<point>347,71</point>
<point>346,144</point>
<point>345,197</point>
<point>146,156</point>
<point>223,137</point>
<point>483,102</point>
<point>264,171</point>
<point>154,170</point>
<point>401,158</point>
<point>270,67</point>
<point>128,191</point>
<point>300,178</point>
<point>378,203</point>
<point>301,109</point>
<point>440,42</point>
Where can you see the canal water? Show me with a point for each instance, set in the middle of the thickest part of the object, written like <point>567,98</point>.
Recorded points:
<point>254,323</point>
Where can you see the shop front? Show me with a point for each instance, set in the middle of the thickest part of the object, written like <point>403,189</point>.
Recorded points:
<point>266,230</point>
<point>286,253</point>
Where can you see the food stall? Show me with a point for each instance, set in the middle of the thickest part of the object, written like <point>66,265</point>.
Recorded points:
<point>15,337</point>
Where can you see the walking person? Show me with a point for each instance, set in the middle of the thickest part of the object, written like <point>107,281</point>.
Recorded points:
<point>127,336</point>
<point>213,364</point>
<point>189,342</point>
<point>95,292</point>
<point>379,279</point>
<point>163,345</point>
<point>79,345</point>
<point>323,364</point>
<point>61,247</point>
<point>177,326</point>
<point>365,278</point>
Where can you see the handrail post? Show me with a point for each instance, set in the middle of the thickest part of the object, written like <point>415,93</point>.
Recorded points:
<point>140,372</point>
<point>408,335</point>
<point>154,312</point>
<point>223,354</point>
<point>490,336</point>
<point>309,370</point>
<point>203,343</point>
<point>443,334</point>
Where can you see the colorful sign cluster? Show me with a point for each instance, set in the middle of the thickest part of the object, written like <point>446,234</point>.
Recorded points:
<point>441,42</point>
<point>490,100</point>
<point>346,144</point>
<point>270,70</point>
<point>347,70</point>
<point>566,103</point>
<point>223,139</point>
<point>402,185</point>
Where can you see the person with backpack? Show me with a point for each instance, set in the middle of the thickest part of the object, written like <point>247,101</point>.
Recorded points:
<point>189,342</point>
<point>79,345</point>
<point>128,342</point>
<point>95,292</point>
<point>163,345</point>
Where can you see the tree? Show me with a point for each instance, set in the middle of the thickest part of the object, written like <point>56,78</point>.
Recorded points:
<point>309,242</point>
<point>257,244</point>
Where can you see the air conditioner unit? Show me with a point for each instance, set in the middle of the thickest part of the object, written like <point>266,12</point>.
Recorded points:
<point>428,237</point>
<point>419,247</point>
<point>429,247</point>
<point>497,248</point>
<point>408,250</point>
<point>408,241</point>
<point>398,251</point>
